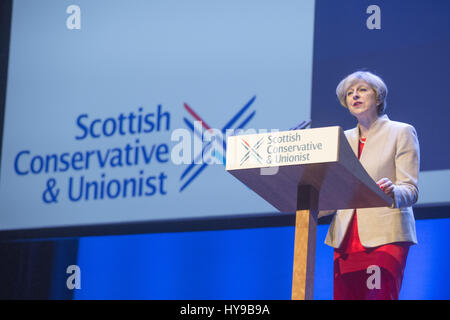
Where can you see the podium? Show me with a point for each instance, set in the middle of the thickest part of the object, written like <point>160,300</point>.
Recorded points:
<point>303,171</point>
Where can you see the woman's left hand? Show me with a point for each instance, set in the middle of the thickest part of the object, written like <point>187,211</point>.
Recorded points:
<point>387,186</point>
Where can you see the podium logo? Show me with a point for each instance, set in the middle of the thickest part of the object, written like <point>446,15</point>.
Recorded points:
<point>251,151</point>
<point>211,143</point>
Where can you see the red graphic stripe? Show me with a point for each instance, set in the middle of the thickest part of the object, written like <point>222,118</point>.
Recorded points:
<point>246,143</point>
<point>196,116</point>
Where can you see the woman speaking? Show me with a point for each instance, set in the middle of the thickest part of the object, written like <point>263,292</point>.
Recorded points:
<point>371,244</point>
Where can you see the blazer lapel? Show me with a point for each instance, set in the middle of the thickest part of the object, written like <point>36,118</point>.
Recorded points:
<point>353,138</point>
<point>369,156</point>
<point>353,135</point>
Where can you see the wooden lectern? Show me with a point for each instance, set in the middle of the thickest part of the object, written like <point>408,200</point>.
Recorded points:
<point>303,171</point>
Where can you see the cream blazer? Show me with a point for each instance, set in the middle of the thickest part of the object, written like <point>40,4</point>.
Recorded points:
<point>391,150</point>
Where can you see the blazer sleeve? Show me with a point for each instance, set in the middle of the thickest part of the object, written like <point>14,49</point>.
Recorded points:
<point>324,213</point>
<point>407,158</point>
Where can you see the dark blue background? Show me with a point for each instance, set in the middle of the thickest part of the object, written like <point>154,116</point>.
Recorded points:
<point>410,52</point>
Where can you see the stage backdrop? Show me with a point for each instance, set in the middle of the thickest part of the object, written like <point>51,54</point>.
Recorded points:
<point>105,99</point>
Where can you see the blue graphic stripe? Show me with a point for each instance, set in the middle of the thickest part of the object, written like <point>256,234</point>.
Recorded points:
<point>227,126</point>
<point>219,157</point>
<point>238,115</point>
<point>191,126</point>
<point>192,165</point>
<point>234,119</point>
<point>241,125</point>
<point>193,176</point>
<point>246,120</point>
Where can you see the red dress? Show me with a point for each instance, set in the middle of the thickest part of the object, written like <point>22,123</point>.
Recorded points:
<point>354,280</point>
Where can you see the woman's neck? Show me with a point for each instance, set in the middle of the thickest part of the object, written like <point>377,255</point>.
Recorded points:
<point>365,124</point>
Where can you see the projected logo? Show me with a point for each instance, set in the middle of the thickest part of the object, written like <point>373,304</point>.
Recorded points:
<point>216,148</point>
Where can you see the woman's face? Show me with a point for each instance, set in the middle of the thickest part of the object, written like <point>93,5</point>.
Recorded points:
<point>362,100</point>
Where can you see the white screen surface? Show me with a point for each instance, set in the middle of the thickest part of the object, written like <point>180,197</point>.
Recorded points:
<point>81,143</point>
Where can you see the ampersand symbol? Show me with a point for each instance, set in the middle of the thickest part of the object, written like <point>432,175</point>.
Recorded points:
<point>49,194</point>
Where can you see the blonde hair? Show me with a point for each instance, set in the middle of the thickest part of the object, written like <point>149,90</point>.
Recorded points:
<point>375,82</point>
